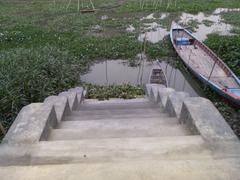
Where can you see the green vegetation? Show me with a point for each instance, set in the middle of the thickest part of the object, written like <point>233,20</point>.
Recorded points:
<point>125,91</point>
<point>30,75</point>
<point>231,114</point>
<point>232,17</point>
<point>228,48</point>
<point>207,22</point>
<point>178,5</point>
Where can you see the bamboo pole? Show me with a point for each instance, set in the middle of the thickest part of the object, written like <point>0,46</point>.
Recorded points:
<point>144,51</point>
<point>168,5</point>
<point>156,4</point>
<point>92,4</point>
<point>2,129</point>
<point>69,2</point>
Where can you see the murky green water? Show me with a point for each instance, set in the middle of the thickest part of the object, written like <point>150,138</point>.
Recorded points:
<point>121,72</point>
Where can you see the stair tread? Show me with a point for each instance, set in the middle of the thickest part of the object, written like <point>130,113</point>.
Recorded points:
<point>109,149</point>
<point>148,131</point>
<point>116,101</point>
<point>79,115</point>
<point>197,169</point>
<point>92,104</point>
<point>117,111</point>
<point>117,123</point>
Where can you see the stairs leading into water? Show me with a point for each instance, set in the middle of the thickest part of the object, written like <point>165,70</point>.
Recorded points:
<point>125,119</point>
<point>143,138</point>
<point>119,130</point>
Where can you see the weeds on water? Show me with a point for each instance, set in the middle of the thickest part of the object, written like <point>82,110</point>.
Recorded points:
<point>124,91</point>
<point>228,48</point>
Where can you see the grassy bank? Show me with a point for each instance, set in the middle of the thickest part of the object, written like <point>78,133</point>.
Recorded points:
<point>30,75</point>
<point>228,48</point>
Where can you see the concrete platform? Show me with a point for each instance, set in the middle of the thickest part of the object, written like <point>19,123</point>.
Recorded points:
<point>222,169</point>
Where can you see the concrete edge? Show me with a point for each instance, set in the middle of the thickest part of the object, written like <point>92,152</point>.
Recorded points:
<point>72,99</point>
<point>202,117</point>
<point>151,90</point>
<point>154,93</point>
<point>174,103</point>
<point>163,94</point>
<point>80,93</point>
<point>61,105</point>
<point>32,124</point>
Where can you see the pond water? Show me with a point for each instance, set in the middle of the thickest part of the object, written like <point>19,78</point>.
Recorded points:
<point>206,24</point>
<point>203,24</point>
<point>153,32</point>
<point>120,72</point>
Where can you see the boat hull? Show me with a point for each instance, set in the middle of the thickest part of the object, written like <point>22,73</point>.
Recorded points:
<point>206,82</point>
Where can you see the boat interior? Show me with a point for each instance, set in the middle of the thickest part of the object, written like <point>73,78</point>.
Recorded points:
<point>203,61</point>
<point>158,77</point>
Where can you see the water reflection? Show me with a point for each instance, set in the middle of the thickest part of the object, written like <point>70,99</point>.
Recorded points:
<point>153,32</point>
<point>120,72</point>
<point>117,72</point>
<point>177,80</point>
<point>206,24</point>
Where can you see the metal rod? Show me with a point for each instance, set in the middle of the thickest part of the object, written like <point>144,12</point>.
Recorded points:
<point>106,70</point>
<point>170,76</point>
<point>212,70</point>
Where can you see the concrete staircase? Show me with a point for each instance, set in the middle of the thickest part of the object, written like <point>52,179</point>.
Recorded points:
<point>160,136</point>
<point>125,119</point>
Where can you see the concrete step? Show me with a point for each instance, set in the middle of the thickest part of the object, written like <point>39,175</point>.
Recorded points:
<point>120,149</point>
<point>118,111</point>
<point>115,114</point>
<point>198,169</point>
<point>116,132</point>
<point>108,124</point>
<point>90,104</point>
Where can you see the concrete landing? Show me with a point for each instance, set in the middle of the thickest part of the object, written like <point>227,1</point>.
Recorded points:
<point>222,169</point>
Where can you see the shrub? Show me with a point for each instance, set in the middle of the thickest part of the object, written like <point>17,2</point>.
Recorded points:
<point>30,75</point>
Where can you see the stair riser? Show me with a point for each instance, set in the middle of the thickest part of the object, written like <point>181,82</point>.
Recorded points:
<point>117,123</point>
<point>83,107</point>
<point>155,131</point>
<point>117,112</point>
<point>100,117</point>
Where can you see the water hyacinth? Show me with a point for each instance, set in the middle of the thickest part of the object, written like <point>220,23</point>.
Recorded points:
<point>30,75</point>
<point>124,91</point>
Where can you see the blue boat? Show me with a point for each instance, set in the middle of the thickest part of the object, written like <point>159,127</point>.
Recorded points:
<point>205,64</point>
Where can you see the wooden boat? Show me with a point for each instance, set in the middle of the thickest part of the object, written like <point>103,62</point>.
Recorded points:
<point>157,75</point>
<point>205,64</point>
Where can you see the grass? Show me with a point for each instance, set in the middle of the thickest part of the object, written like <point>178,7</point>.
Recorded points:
<point>192,6</point>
